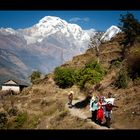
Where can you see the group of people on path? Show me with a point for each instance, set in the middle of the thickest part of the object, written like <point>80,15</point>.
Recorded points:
<point>101,108</point>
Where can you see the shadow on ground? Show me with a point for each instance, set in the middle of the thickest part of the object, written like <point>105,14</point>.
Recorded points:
<point>82,103</point>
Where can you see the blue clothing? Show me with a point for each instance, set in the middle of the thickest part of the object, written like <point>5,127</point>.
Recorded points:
<point>93,105</point>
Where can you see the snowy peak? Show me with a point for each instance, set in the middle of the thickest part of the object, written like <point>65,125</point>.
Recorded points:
<point>50,25</point>
<point>8,31</point>
<point>51,19</point>
<point>111,32</point>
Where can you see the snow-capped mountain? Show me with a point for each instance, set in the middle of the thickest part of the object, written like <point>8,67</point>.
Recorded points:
<point>111,32</point>
<point>44,46</point>
<point>50,25</point>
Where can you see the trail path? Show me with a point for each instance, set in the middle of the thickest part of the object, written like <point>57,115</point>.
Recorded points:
<point>85,114</point>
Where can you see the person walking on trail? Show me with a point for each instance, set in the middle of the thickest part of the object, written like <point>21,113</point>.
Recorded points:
<point>108,113</point>
<point>108,109</point>
<point>70,98</point>
<point>103,103</point>
<point>93,108</point>
<point>100,112</point>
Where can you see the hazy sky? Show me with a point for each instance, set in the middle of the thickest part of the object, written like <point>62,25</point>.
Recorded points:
<point>99,20</point>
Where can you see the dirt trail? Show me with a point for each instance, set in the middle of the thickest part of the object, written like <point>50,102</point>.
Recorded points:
<point>84,114</point>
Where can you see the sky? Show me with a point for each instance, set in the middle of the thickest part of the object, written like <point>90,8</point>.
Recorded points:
<point>98,20</point>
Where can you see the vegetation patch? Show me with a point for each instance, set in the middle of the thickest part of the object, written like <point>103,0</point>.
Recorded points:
<point>20,120</point>
<point>122,79</point>
<point>3,120</point>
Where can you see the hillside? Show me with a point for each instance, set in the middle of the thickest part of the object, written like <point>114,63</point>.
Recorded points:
<point>44,105</point>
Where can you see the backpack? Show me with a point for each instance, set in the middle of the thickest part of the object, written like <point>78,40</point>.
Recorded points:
<point>108,107</point>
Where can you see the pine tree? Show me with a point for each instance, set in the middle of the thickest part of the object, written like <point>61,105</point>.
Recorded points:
<point>131,28</point>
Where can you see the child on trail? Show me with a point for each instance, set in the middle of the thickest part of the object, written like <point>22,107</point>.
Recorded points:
<point>93,108</point>
<point>70,98</point>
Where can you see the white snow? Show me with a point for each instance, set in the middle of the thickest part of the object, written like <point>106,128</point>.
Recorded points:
<point>111,32</point>
<point>50,25</point>
<point>8,31</point>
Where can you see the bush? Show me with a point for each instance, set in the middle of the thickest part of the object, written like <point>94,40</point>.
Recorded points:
<point>122,80</point>
<point>137,81</point>
<point>92,73</point>
<point>3,120</point>
<point>115,63</point>
<point>64,77</point>
<point>96,66</point>
<point>35,76</point>
<point>20,120</point>
<point>13,111</point>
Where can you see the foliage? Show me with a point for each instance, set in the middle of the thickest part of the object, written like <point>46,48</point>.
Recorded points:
<point>20,120</point>
<point>35,76</point>
<point>3,120</point>
<point>64,77</point>
<point>13,111</point>
<point>92,73</point>
<point>92,64</point>
<point>137,81</point>
<point>115,63</point>
<point>131,27</point>
<point>122,79</point>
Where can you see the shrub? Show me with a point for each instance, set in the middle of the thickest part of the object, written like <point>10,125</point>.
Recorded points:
<point>3,120</point>
<point>122,80</point>
<point>13,111</point>
<point>137,81</point>
<point>92,73</point>
<point>116,63</point>
<point>35,76</point>
<point>92,64</point>
<point>20,120</point>
<point>64,77</point>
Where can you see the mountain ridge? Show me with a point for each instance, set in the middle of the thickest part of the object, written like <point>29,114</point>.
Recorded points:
<point>34,47</point>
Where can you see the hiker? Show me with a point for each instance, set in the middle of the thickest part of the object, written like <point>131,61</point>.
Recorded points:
<point>70,98</point>
<point>93,108</point>
<point>100,112</point>
<point>108,109</point>
<point>103,104</point>
<point>108,113</point>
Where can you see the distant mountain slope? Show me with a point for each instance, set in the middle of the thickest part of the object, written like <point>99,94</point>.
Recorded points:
<point>45,45</point>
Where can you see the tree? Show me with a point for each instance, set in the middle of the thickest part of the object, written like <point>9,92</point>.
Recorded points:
<point>95,41</point>
<point>64,77</point>
<point>35,76</point>
<point>131,28</point>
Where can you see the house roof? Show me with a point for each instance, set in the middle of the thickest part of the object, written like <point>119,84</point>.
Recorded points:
<point>15,83</point>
